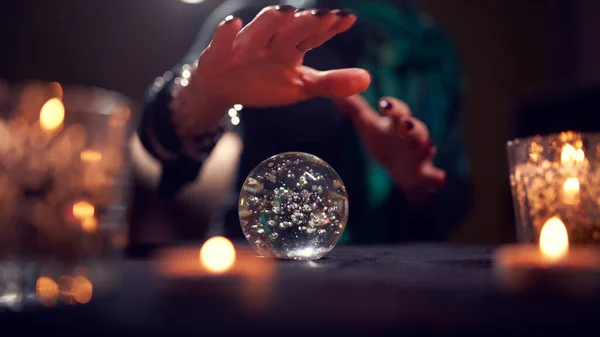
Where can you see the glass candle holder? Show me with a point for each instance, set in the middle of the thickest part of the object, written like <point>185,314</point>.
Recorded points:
<point>556,176</point>
<point>63,190</point>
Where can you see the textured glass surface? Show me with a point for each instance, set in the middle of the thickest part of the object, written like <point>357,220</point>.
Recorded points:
<point>556,175</point>
<point>63,173</point>
<point>293,206</point>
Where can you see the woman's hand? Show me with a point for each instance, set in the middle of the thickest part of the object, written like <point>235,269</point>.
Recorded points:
<point>260,65</point>
<point>399,142</point>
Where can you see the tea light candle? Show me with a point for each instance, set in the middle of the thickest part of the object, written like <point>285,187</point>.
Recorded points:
<point>550,264</point>
<point>217,271</point>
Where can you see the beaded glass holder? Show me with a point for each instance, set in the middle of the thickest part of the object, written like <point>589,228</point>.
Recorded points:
<point>556,175</point>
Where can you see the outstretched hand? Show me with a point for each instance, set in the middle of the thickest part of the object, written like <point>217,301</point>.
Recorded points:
<point>399,142</point>
<point>261,64</point>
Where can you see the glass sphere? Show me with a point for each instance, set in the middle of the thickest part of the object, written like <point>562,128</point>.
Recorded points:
<point>293,206</point>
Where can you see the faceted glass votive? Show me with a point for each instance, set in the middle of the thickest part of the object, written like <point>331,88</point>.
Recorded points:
<point>556,176</point>
<point>63,188</point>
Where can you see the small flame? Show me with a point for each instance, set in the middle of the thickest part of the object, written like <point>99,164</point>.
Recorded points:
<point>570,154</point>
<point>554,239</point>
<point>90,156</point>
<point>571,189</point>
<point>83,210</point>
<point>217,254</point>
<point>52,114</point>
<point>47,291</point>
<point>571,185</point>
<point>82,290</point>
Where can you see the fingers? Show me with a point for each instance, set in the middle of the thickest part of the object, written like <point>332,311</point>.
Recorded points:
<point>412,130</point>
<point>335,84</point>
<point>394,108</point>
<point>305,25</point>
<point>257,34</point>
<point>222,42</point>
<point>359,110</point>
<point>344,20</point>
<point>432,176</point>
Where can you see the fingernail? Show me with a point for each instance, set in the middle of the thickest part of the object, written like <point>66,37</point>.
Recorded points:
<point>300,10</point>
<point>285,8</point>
<point>320,12</point>
<point>344,13</point>
<point>229,19</point>
<point>443,182</point>
<point>409,125</point>
<point>385,105</point>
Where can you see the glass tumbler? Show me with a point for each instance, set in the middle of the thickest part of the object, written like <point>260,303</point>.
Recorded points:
<point>63,192</point>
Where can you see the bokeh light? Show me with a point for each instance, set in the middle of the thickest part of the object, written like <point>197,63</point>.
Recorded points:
<point>52,114</point>
<point>83,210</point>
<point>217,254</point>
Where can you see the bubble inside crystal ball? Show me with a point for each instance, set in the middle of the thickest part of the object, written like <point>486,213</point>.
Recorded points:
<point>293,206</point>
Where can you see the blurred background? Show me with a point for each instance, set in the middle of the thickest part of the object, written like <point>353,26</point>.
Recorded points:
<point>511,50</point>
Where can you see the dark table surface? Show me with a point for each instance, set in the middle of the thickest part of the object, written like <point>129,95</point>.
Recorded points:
<point>421,289</point>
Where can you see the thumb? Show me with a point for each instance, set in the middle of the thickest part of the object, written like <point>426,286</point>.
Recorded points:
<point>337,83</point>
<point>358,109</point>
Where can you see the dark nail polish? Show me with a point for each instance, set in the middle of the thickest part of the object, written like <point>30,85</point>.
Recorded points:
<point>385,105</point>
<point>344,13</point>
<point>285,8</point>
<point>430,144</point>
<point>229,19</point>
<point>300,10</point>
<point>320,12</point>
<point>443,182</point>
<point>409,125</point>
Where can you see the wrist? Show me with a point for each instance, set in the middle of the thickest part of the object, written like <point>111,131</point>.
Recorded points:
<point>194,112</point>
<point>179,125</point>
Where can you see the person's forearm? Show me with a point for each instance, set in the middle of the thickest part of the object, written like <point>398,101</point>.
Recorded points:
<point>164,132</point>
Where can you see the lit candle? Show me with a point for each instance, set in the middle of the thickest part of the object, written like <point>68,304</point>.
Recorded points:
<point>217,257</point>
<point>551,263</point>
<point>218,271</point>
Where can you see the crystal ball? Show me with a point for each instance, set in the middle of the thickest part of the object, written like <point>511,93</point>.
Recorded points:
<point>293,206</point>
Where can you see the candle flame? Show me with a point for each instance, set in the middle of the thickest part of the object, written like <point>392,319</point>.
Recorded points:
<point>217,254</point>
<point>554,239</point>
<point>83,210</point>
<point>90,156</point>
<point>570,154</point>
<point>52,114</point>
<point>571,185</point>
